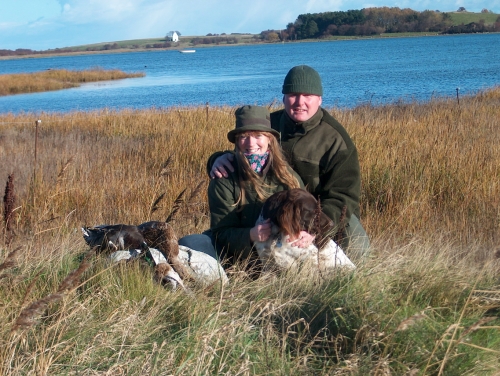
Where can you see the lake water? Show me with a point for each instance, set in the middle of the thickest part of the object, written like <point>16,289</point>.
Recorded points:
<point>353,72</point>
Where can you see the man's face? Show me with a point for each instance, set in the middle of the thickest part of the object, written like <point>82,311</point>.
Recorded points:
<point>301,107</point>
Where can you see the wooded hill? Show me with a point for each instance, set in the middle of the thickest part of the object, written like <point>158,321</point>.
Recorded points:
<point>374,21</point>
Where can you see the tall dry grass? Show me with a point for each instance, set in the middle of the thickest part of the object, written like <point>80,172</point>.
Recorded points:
<point>426,302</point>
<point>57,79</point>
<point>431,168</point>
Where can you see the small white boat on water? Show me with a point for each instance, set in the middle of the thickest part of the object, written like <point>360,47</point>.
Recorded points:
<point>187,51</point>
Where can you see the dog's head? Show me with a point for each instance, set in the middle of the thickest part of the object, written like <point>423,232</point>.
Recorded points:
<point>297,210</point>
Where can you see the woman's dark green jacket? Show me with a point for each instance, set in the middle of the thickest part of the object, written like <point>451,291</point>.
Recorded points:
<point>230,225</point>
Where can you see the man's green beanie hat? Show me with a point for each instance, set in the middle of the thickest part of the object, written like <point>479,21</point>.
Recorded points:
<point>252,119</point>
<point>302,79</point>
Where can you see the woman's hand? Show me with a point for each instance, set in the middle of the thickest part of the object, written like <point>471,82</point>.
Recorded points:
<point>221,165</point>
<point>304,240</point>
<point>261,232</point>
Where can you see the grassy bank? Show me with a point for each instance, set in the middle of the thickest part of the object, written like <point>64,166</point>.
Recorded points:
<point>458,18</point>
<point>57,79</point>
<point>425,303</point>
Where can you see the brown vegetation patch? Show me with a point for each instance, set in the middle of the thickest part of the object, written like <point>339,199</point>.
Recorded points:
<point>57,79</point>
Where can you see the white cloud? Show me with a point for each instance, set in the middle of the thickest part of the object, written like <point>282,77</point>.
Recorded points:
<point>318,6</point>
<point>23,11</point>
<point>9,25</point>
<point>86,11</point>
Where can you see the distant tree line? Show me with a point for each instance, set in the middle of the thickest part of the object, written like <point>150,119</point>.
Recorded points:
<point>374,21</point>
<point>215,39</point>
<point>18,52</point>
<point>473,27</point>
<point>104,47</point>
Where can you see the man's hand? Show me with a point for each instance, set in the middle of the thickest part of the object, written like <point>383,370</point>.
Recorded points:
<point>261,232</point>
<point>221,165</point>
<point>304,240</point>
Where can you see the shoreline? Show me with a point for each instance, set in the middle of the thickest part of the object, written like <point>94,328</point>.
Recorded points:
<point>436,99</point>
<point>187,45</point>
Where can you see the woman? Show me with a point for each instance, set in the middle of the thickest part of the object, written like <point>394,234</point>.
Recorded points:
<point>235,203</point>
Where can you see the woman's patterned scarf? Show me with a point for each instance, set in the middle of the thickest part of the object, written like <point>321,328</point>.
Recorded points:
<point>257,161</point>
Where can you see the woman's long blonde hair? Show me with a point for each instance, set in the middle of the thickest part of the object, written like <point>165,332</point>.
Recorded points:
<point>276,165</point>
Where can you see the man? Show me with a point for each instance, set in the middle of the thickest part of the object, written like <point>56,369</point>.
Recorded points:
<point>320,151</point>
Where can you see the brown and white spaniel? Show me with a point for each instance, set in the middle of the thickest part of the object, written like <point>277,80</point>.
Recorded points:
<point>290,212</point>
<point>157,241</point>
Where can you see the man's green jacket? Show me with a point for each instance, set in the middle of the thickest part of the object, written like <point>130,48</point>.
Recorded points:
<point>322,153</point>
<point>324,156</point>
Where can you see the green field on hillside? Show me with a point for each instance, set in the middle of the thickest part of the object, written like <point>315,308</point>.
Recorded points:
<point>465,18</point>
<point>133,43</point>
<point>127,43</point>
<point>184,42</point>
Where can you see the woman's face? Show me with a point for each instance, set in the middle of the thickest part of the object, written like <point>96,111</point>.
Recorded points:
<point>252,143</point>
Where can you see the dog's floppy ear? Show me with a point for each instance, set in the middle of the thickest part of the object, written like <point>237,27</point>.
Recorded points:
<point>282,209</point>
<point>273,204</point>
<point>289,217</point>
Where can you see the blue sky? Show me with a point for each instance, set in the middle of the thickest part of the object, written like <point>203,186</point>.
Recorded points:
<point>44,24</point>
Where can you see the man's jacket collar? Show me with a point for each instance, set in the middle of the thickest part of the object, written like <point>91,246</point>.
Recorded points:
<point>290,128</point>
